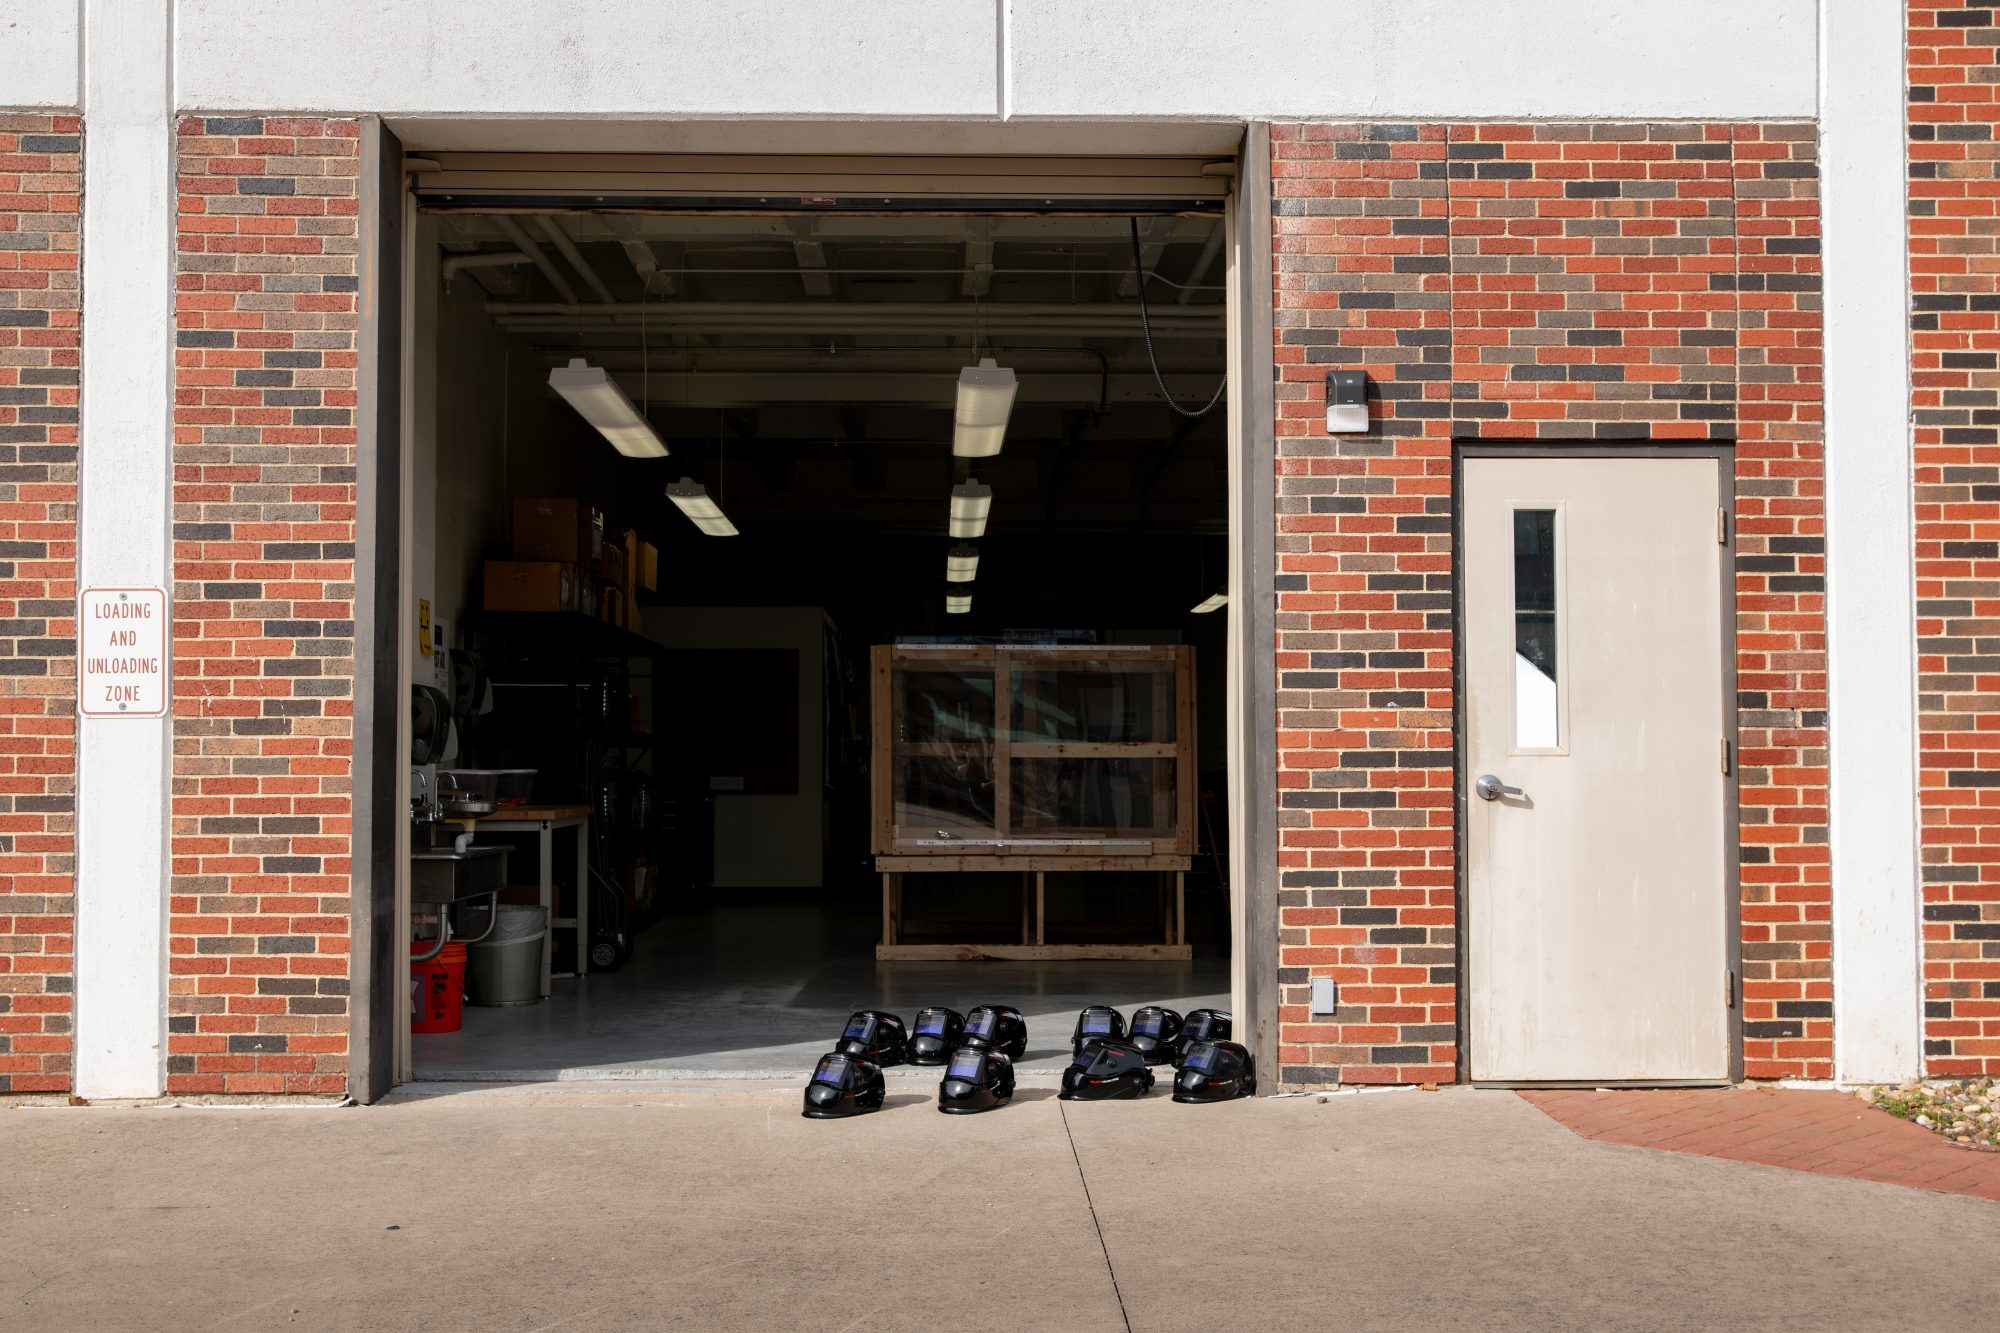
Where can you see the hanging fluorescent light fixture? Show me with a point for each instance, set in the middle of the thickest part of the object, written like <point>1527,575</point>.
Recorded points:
<point>985,397</point>
<point>970,505</point>
<point>957,603</point>
<point>691,498</point>
<point>1214,602</point>
<point>961,563</point>
<point>599,400</point>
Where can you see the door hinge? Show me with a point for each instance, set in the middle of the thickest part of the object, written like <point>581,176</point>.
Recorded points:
<point>1725,758</point>
<point>1729,988</point>
<point>1722,527</point>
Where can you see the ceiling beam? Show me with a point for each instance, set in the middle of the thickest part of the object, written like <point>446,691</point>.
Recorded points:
<point>639,252</point>
<point>811,257</point>
<point>927,318</point>
<point>1203,262</point>
<point>978,280</point>
<point>552,228</point>
<point>1153,236</point>
<point>527,246</point>
<point>927,387</point>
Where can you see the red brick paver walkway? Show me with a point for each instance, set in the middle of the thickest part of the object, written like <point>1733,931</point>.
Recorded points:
<point>1831,1133</point>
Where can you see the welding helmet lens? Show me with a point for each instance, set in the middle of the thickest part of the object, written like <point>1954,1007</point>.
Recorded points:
<point>1201,1025</point>
<point>975,1080</point>
<point>1154,1030</point>
<point>1215,1071</point>
<point>843,1086</point>
<point>873,1036</point>
<point>1096,1023</point>
<point>937,1033</point>
<point>997,1027</point>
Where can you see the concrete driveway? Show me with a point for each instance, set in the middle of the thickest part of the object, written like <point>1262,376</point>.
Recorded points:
<point>720,1208</point>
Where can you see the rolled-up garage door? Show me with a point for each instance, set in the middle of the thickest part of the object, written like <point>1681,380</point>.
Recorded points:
<point>752,183</point>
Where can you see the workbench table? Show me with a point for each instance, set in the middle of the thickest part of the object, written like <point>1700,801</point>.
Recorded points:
<point>545,821</point>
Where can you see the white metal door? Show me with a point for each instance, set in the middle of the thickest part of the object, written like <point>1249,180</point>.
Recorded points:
<point>1595,764</point>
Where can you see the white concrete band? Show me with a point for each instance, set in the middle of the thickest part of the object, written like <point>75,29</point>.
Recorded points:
<point>125,485</point>
<point>39,55</point>
<point>1395,59</point>
<point>1075,59</point>
<point>1871,627</point>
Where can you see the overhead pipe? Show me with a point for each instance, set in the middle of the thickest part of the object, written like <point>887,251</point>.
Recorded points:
<point>567,248</point>
<point>454,265</point>
<point>512,230</point>
<point>1210,248</point>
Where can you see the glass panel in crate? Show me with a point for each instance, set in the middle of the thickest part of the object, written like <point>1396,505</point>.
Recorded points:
<point>944,702</point>
<point>1086,700</point>
<point>1085,798</point>
<point>943,740</point>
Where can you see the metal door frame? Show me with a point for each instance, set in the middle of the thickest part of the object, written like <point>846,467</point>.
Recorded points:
<point>1723,452</point>
<point>382,674</point>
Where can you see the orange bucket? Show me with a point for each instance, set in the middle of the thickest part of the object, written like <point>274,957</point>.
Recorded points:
<point>437,991</point>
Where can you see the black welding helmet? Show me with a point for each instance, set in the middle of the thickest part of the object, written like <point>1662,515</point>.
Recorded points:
<point>939,1032</point>
<point>841,1086</point>
<point>997,1027</point>
<point>1154,1031</point>
<point>975,1080</point>
<point>873,1036</point>
<point>1096,1023</point>
<point>1107,1069</point>
<point>1215,1071</point>
<point>1201,1025</point>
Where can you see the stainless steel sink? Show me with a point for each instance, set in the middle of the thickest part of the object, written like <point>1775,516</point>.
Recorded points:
<point>442,875</point>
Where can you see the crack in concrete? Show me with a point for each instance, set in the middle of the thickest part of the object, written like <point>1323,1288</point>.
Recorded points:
<point>1096,1226</point>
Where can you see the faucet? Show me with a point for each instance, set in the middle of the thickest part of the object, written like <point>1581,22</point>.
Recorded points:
<point>425,809</point>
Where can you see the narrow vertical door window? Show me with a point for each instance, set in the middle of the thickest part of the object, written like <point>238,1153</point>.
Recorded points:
<point>1536,711</point>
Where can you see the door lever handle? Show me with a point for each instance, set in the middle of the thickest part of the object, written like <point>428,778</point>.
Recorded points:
<point>1490,788</point>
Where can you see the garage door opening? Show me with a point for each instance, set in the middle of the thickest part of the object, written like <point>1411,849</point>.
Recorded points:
<point>783,730</point>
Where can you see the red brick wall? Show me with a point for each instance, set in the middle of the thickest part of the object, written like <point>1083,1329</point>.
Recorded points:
<point>263,451</point>
<point>1366,882</point>
<point>1544,282</point>
<point>1585,299</point>
<point>40,325</point>
<point>1954,203</point>
<point>1781,719</point>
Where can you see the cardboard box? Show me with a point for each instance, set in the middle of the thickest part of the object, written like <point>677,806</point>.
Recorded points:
<point>649,567</point>
<point>530,585</point>
<point>550,529</point>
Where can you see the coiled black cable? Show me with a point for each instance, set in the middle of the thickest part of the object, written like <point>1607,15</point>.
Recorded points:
<point>1146,323</point>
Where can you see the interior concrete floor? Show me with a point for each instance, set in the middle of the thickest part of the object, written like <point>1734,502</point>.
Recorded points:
<point>762,987</point>
<point>614,1206</point>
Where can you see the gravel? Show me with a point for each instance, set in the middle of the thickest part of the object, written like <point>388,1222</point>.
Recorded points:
<point>1965,1111</point>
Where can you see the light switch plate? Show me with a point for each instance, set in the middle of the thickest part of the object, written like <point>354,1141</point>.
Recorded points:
<point>1325,998</point>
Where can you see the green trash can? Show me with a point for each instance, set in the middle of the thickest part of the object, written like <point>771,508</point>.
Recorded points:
<point>506,967</point>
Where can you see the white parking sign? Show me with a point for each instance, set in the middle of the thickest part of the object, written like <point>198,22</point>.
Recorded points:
<point>121,636</point>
